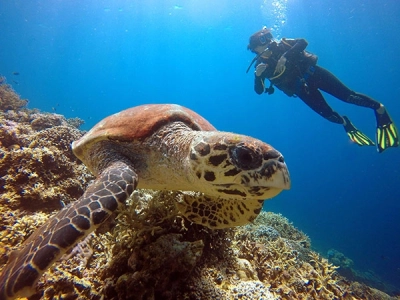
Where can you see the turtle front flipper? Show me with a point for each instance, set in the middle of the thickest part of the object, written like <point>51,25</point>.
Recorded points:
<point>65,229</point>
<point>218,213</point>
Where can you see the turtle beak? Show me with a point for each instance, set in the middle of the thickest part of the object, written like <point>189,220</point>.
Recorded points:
<point>284,178</point>
<point>275,177</point>
<point>275,172</point>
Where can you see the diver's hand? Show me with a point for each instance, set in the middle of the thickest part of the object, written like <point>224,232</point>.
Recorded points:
<point>260,69</point>
<point>280,66</point>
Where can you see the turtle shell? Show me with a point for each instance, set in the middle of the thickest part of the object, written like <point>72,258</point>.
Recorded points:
<point>138,123</point>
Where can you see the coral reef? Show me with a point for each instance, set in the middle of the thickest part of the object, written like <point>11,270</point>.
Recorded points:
<point>148,250</point>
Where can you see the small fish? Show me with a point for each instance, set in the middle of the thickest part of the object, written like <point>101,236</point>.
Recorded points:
<point>16,82</point>
<point>15,73</point>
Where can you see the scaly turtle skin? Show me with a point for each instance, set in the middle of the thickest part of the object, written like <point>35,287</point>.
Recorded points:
<point>225,178</point>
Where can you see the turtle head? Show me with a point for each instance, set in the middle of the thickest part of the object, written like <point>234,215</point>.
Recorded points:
<point>238,167</point>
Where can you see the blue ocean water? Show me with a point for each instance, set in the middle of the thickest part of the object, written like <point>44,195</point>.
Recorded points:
<point>91,58</point>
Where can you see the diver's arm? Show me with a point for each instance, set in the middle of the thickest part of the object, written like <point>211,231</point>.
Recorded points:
<point>259,78</point>
<point>259,85</point>
<point>299,46</point>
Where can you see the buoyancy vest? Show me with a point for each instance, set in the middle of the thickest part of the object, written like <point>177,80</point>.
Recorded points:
<point>297,66</point>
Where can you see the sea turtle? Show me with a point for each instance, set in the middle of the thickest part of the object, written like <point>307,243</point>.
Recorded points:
<point>163,147</point>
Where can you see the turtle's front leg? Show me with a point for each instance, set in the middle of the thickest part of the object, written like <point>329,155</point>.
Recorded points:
<point>65,229</point>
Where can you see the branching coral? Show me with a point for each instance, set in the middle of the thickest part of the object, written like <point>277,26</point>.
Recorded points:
<point>324,281</point>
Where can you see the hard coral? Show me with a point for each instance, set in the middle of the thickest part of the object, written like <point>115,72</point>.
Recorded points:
<point>38,168</point>
<point>283,226</point>
<point>40,121</point>
<point>158,269</point>
<point>38,173</point>
<point>9,100</point>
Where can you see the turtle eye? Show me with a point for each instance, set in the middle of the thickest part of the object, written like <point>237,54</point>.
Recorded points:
<point>245,158</point>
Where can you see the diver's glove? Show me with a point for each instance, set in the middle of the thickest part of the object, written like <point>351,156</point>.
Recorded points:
<point>280,66</point>
<point>260,69</point>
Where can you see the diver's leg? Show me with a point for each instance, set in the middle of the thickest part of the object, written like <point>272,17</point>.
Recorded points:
<point>314,99</point>
<point>386,131</point>
<point>327,82</point>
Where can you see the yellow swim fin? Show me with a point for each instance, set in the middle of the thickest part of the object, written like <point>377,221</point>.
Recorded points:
<point>356,135</point>
<point>386,132</point>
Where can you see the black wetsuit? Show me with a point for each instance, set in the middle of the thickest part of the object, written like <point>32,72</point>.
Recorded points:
<point>303,78</point>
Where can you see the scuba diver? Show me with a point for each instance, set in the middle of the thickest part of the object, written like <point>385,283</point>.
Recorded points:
<point>294,71</point>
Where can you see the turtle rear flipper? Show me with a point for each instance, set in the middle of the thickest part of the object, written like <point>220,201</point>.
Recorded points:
<point>218,213</point>
<point>65,229</point>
